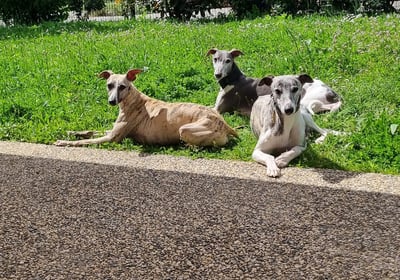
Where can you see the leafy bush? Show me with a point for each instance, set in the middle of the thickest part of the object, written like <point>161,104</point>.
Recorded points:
<point>364,6</point>
<point>33,12</point>
<point>244,8</point>
<point>184,10</point>
<point>88,5</point>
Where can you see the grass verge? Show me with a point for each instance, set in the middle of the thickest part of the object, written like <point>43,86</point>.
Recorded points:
<point>49,86</point>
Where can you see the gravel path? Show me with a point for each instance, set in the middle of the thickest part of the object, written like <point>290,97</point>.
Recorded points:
<point>76,213</point>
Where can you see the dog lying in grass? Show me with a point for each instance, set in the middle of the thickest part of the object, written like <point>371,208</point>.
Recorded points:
<point>151,121</point>
<point>318,97</point>
<point>279,122</point>
<point>239,92</point>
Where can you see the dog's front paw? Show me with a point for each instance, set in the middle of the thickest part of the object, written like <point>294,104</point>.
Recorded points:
<point>281,162</point>
<point>273,171</point>
<point>61,143</point>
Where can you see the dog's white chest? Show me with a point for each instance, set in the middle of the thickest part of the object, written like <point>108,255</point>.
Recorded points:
<point>293,134</point>
<point>228,88</point>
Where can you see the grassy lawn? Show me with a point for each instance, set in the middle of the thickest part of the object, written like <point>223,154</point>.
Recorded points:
<point>49,85</point>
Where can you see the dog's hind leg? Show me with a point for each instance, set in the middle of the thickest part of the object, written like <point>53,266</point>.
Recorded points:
<point>324,132</point>
<point>317,107</point>
<point>204,132</point>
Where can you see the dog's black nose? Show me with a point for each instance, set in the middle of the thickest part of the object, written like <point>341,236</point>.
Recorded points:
<point>218,76</point>
<point>112,102</point>
<point>289,110</point>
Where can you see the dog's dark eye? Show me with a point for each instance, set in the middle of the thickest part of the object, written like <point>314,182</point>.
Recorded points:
<point>228,61</point>
<point>110,86</point>
<point>121,87</point>
<point>278,91</point>
<point>215,59</point>
<point>295,89</point>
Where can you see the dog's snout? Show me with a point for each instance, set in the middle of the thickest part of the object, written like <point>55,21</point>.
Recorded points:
<point>289,110</point>
<point>112,102</point>
<point>218,75</point>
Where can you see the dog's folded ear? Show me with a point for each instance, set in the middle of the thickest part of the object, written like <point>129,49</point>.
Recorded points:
<point>304,78</point>
<point>263,90</point>
<point>212,51</point>
<point>105,74</point>
<point>235,53</point>
<point>131,74</point>
<point>266,81</point>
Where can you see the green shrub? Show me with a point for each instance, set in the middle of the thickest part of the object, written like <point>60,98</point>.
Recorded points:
<point>33,12</point>
<point>184,10</point>
<point>364,6</point>
<point>88,5</point>
<point>245,8</point>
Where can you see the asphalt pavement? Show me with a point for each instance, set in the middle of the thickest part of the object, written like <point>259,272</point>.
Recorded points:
<point>84,213</point>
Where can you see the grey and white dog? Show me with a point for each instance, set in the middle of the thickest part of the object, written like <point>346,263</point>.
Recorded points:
<point>279,121</point>
<point>237,91</point>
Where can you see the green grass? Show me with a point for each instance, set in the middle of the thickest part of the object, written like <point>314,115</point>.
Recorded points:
<point>49,85</point>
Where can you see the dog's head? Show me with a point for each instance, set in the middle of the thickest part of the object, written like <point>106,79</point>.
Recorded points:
<point>118,85</point>
<point>223,61</point>
<point>286,91</point>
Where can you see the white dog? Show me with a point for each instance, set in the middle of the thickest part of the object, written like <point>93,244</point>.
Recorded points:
<point>318,97</point>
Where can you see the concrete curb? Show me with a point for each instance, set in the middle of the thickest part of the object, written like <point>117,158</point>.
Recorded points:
<point>369,182</point>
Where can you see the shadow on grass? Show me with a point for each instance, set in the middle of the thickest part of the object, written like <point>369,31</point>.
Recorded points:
<point>330,171</point>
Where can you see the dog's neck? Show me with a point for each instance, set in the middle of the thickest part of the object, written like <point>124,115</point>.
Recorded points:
<point>134,99</point>
<point>232,77</point>
<point>134,96</point>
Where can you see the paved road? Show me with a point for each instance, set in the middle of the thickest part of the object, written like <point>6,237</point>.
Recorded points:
<point>64,215</point>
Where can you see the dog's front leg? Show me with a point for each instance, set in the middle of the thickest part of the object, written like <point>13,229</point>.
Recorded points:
<point>106,138</point>
<point>115,135</point>
<point>284,158</point>
<point>261,156</point>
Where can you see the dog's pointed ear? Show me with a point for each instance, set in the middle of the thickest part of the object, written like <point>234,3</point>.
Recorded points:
<point>212,51</point>
<point>304,78</point>
<point>105,74</point>
<point>266,81</point>
<point>235,53</point>
<point>131,74</point>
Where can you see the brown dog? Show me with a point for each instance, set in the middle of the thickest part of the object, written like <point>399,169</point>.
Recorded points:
<point>151,121</point>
